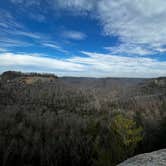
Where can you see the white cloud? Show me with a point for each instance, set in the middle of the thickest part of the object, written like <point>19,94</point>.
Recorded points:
<point>55,46</point>
<point>51,45</point>
<point>75,35</point>
<point>10,29</point>
<point>27,34</point>
<point>130,49</point>
<point>135,22</point>
<point>37,17</point>
<point>3,50</point>
<point>91,64</point>
<point>7,42</point>
<point>8,21</point>
<point>75,5</point>
<point>160,49</point>
<point>103,65</point>
<point>17,1</point>
<point>26,3</point>
<point>24,60</point>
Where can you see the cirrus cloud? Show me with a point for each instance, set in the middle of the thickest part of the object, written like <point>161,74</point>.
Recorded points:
<point>75,35</point>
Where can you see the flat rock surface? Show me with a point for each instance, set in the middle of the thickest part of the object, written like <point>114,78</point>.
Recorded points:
<point>157,158</point>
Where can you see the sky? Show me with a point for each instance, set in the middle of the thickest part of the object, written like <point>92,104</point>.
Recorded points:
<point>84,38</point>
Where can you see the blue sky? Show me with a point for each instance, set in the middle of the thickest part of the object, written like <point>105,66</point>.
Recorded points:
<point>94,38</point>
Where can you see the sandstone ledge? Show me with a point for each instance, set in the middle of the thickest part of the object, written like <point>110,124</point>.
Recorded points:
<point>157,158</point>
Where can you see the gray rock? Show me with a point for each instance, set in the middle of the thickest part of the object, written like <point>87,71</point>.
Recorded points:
<point>157,158</point>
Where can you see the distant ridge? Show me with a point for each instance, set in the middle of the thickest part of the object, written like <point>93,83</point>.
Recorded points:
<point>28,78</point>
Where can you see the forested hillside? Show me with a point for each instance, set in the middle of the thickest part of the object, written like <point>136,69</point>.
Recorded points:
<point>54,121</point>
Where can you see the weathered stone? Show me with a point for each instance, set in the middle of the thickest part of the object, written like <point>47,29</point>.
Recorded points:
<point>157,158</point>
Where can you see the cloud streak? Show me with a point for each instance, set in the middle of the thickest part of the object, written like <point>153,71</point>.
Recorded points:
<point>54,46</point>
<point>131,49</point>
<point>75,35</point>
<point>14,34</point>
<point>91,64</point>
<point>25,60</point>
<point>121,66</point>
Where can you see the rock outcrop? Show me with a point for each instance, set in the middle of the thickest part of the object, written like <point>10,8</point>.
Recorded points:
<point>157,158</point>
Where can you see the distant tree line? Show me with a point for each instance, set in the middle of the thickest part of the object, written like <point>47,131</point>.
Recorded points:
<point>10,75</point>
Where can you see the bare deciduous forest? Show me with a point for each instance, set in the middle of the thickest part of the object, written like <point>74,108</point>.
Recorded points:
<point>47,120</point>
